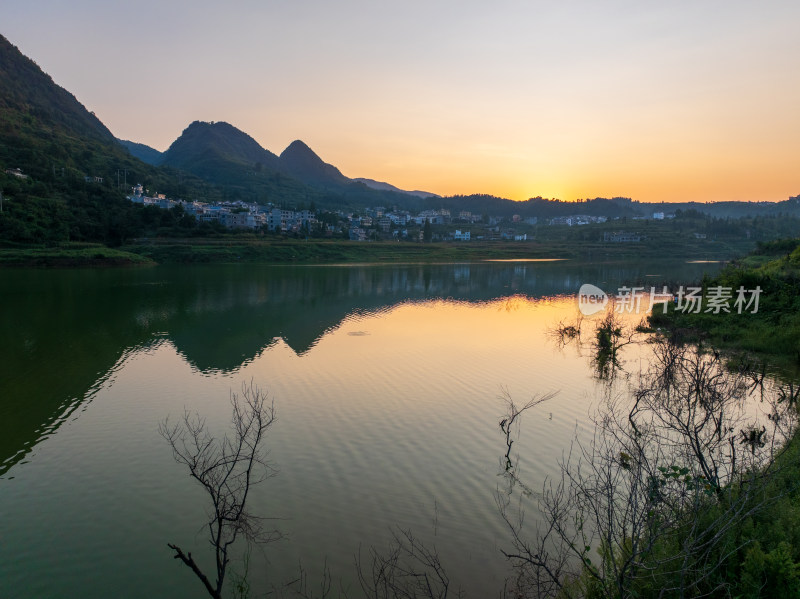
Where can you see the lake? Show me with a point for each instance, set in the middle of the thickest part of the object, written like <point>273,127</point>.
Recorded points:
<point>387,383</point>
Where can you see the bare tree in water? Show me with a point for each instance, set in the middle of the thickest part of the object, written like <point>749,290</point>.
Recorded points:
<point>226,468</point>
<point>645,507</point>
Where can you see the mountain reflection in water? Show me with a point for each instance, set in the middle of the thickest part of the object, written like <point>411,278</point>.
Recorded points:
<point>385,380</point>
<point>64,330</point>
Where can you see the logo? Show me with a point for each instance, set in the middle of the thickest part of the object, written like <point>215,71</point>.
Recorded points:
<point>716,300</point>
<point>591,299</point>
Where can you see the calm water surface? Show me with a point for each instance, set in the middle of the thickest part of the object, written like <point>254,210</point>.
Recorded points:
<point>386,380</point>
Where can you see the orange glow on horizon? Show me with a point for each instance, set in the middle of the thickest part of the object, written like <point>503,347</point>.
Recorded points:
<point>707,182</point>
<point>656,102</point>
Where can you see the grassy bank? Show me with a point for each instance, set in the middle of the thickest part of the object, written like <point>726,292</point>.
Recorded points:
<point>70,256</point>
<point>313,251</point>
<point>691,492</point>
<point>237,248</point>
<point>758,558</point>
<point>298,251</point>
<point>773,331</point>
<point>761,556</point>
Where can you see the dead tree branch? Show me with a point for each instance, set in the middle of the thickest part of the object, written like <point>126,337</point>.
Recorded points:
<point>226,468</point>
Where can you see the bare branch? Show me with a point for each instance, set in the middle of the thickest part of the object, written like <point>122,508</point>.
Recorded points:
<point>408,570</point>
<point>226,468</point>
<point>652,498</point>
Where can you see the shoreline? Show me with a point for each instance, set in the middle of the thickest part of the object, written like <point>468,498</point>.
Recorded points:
<point>343,252</point>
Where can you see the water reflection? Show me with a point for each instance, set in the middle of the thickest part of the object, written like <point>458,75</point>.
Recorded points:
<point>385,380</point>
<point>63,331</point>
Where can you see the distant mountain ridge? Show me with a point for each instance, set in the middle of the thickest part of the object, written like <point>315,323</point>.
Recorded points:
<point>205,147</point>
<point>297,160</point>
<point>225,155</point>
<point>372,183</point>
<point>75,172</point>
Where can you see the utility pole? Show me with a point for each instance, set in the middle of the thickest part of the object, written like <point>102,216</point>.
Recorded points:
<point>1,202</point>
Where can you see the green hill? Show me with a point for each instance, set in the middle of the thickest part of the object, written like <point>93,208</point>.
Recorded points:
<point>63,174</point>
<point>217,141</point>
<point>301,162</point>
<point>223,155</point>
<point>44,130</point>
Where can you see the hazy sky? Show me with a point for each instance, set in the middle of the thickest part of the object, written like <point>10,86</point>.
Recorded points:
<point>680,100</point>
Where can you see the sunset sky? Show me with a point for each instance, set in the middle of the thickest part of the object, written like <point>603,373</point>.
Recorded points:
<point>658,101</point>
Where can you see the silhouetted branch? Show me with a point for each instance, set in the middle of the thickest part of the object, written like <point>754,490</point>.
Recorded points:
<point>409,570</point>
<point>187,559</point>
<point>653,498</point>
<point>513,412</point>
<point>226,468</point>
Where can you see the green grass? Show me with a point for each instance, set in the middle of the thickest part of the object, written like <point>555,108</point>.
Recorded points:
<point>772,334</point>
<point>315,251</point>
<point>759,558</point>
<point>296,251</point>
<point>276,250</point>
<point>77,255</point>
<point>673,240</point>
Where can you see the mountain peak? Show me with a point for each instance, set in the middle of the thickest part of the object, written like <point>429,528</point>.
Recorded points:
<point>202,139</point>
<point>216,126</point>
<point>298,149</point>
<point>220,130</point>
<point>302,162</point>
